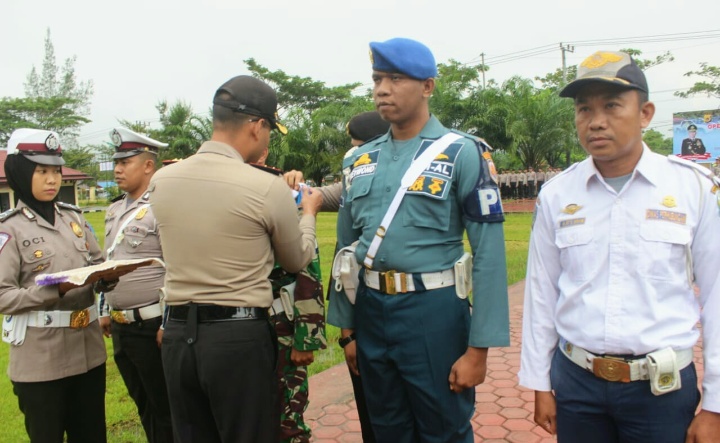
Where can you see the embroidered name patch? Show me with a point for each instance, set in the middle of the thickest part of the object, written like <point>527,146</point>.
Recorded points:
<point>572,222</point>
<point>661,214</point>
<point>430,186</point>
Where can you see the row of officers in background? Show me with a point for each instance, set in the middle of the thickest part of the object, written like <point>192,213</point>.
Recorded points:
<point>524,183</point>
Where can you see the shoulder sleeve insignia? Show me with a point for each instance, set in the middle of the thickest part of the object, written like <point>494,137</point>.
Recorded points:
<point>68,206</point>
<point>7,214</point>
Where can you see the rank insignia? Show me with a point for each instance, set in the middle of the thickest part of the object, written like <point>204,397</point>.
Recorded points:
<point>38,254</point>
<point>28,213</point>
<point>77,230</point>
<point>571,209</point>
<point>669,201</point>
<point>141,213</point>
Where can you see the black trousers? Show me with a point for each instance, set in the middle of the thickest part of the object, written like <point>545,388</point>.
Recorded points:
<point>221,381</point>
<point>365,426</point>
<point>139,361</point>
<point>74,404</point>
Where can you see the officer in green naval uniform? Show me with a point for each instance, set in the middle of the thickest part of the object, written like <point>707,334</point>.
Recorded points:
<point>420,350</point>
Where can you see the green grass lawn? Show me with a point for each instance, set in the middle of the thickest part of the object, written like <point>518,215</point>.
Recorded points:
<point>123,423</point>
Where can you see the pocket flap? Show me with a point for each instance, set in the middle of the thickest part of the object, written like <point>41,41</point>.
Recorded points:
<point>575,236</point>
<point>665,232</point>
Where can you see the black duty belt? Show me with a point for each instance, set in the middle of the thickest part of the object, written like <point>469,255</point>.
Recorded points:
<point>212,313</point>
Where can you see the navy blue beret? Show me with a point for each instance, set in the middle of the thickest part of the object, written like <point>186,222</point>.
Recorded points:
<point>403,56</point>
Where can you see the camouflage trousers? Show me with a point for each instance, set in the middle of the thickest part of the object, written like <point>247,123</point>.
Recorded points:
<point>292,386</point>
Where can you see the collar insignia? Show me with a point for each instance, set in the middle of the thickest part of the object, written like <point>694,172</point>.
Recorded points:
<point>571,209</point>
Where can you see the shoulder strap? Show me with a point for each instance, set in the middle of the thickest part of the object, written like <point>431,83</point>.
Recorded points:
<point>412,173</point>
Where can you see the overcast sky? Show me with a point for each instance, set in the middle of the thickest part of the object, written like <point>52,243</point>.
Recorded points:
<point>140,52</point>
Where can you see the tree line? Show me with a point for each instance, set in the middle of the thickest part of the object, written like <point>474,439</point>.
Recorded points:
<point>528,126</point>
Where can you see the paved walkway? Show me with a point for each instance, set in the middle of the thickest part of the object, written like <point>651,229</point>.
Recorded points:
<point>503,410</point>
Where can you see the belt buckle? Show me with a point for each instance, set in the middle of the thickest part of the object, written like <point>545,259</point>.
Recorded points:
<point>119,317</point>
<point>611,369</point>
<point>80,319</point>
<point>387,282</point>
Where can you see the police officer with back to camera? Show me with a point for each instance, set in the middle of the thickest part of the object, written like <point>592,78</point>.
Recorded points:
<point>420,351</point>
<point>57,354</point>
<point>134,306</point>
<point>223,225</point>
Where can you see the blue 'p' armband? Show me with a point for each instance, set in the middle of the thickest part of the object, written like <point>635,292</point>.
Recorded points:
<point>483,204</point>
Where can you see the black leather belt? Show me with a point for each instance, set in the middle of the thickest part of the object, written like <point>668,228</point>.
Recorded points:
<point>212,313</point>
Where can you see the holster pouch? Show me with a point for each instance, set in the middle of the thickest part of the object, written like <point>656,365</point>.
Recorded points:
<point>463,275</point>
<point>346,271</point>
<point>663,371</point>
<point>14,328</point>
<point>287,298</point>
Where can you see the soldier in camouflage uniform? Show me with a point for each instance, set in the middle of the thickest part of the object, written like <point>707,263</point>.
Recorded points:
<point>298,339</point>
<point>299,334</point>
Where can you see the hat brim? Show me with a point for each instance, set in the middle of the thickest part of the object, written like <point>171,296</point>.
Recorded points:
<point>573,88</point>
<point>50,160</point>
<point>119,155</point>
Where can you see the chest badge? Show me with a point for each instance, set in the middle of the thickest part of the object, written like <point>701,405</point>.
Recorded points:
<point>42,267</point>
<point>141,213</point>
<point>571,209</point>
<point>363,160</point>
<point>669,201</point>
<point>77,230</point>
<point>38,254</point>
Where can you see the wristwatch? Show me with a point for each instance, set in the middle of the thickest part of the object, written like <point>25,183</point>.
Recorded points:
<point>347,340</point>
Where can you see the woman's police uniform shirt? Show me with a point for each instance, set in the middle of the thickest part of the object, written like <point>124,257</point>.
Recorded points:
<point>30,246</point>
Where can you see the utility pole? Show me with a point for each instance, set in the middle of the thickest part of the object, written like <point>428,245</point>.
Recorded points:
<point>565,48</point>
<point>482,63</point>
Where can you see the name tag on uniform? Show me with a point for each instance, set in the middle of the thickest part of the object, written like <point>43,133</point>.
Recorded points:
<point>665,215</point>
<point>572,222</point>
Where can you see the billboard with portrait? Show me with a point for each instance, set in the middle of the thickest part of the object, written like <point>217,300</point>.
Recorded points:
<point>696,135</point>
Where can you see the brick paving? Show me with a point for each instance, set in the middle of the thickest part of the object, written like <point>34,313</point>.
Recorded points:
<point>503,410</point>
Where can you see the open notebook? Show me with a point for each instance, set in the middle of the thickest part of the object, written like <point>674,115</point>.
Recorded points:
<point>109,271</point>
